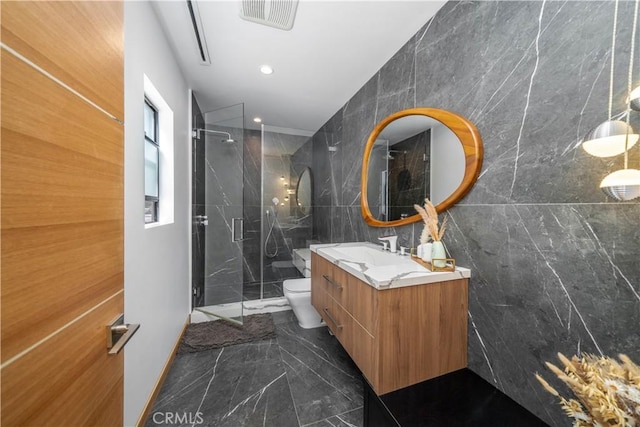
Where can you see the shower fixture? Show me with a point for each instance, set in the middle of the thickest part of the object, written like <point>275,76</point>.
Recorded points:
<point>229,140</point>
<point>270,235</point>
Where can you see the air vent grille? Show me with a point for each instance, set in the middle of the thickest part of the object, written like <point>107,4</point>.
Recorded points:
<point>274,13</point>
<point>198,32</point>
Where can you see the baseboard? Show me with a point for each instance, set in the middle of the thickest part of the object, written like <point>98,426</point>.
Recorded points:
<point>162,377</point>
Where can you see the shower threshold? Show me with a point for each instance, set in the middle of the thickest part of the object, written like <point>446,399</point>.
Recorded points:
<point>231,310</point>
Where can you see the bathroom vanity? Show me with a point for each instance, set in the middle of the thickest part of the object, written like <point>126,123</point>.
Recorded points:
<point>400,323</point>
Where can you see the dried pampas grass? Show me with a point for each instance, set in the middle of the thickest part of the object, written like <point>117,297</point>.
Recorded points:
<point>608,392</point>
<point>429,216</point>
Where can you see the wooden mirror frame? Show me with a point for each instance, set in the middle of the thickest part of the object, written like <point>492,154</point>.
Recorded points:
<point>473,152</point>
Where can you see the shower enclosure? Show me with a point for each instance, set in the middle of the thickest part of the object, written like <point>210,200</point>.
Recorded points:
<point>284,226</point>
<point>246,221</point>
<point>218,221</point>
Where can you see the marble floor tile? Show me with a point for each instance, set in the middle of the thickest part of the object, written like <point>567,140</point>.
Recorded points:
<point>323,379</point>
<point>301,377</point>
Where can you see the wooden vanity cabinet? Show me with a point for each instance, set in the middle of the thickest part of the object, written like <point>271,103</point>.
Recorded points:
<point>400,336</point>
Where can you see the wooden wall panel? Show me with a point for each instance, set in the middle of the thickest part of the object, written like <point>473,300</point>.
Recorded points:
<point>69,380</point>
<point>78,42</point>
<point>62,210</point>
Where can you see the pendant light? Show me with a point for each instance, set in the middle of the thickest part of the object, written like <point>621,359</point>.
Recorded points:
<point>612,137</point>
<point>624,184</point>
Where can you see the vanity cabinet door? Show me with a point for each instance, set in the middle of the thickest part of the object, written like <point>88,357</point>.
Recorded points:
<point>361,300</point>
<point>333,279</point>
<point>423,335</point>
<point>318,293</point>
<point>339,321</point>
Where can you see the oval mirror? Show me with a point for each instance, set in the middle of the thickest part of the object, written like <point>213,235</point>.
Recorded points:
<point>303,192</point>
<point>416,154</point>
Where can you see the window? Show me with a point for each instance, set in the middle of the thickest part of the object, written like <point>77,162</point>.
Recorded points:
<point>151,163</point>
<point>158,158</point>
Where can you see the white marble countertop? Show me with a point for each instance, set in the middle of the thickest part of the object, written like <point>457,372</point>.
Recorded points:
<point>380,269</point>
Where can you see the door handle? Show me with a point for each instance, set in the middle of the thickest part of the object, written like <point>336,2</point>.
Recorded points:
<point>201,220</point>
<point>119,333</point>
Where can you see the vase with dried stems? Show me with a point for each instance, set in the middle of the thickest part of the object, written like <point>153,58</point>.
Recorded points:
<point>433,230</point>
<point>607,391</point>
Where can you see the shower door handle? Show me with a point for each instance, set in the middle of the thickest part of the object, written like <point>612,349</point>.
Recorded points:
<point>201,220</point>
<point>234,237</point>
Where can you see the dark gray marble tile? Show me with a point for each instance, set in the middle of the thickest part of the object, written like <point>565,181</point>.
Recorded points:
<point>552,258</point>
<point>252,164</point>
<point>300,377</point>
<point>285,316</point>
<point>546,279</point>
<point>238,385</point>
<point>396,82</point>
<point>223,261</point>
<point>324,381</point>
<point>327,164</point>
<point>355,130</point>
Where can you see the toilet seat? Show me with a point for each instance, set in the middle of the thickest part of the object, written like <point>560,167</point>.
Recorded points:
<point>297,285</point>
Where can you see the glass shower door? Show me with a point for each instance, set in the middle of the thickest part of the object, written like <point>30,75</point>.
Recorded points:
<point>223,223</point>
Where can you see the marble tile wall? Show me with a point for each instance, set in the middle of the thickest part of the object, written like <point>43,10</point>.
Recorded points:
<point>554,261</point>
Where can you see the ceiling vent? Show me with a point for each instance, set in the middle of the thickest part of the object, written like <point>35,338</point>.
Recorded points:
<point>274,13</point>
<point>198,30</point>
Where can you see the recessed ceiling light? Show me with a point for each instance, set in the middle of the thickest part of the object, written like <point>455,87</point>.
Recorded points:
<point>265,69</point>
<point>257,119</point>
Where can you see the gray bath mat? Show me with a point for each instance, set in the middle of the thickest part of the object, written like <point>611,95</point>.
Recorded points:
<point>220,333</point>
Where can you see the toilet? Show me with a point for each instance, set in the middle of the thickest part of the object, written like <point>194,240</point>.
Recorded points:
<point>298,292</point>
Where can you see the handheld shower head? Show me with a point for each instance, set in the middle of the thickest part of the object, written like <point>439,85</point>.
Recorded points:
<point>275,202</point>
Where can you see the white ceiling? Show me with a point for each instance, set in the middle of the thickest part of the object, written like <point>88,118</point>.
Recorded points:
<point>333,49</point>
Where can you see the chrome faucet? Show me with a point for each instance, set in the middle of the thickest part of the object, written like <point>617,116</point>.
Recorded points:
<point>392,242</point>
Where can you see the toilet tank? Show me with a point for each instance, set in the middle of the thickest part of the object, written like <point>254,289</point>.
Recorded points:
<point>302,261</point>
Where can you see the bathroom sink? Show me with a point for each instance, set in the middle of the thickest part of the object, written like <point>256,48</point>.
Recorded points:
<point>369,256</point>
<point>382,269</point>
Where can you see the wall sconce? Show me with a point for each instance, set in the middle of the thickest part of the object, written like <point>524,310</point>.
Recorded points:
<point>624,184</point>
<point>613,137</point>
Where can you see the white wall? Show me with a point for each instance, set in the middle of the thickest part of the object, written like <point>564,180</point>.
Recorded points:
<point>156,259</point>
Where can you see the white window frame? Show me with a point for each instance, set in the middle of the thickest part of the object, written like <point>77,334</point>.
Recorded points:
<point>166,164</point>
